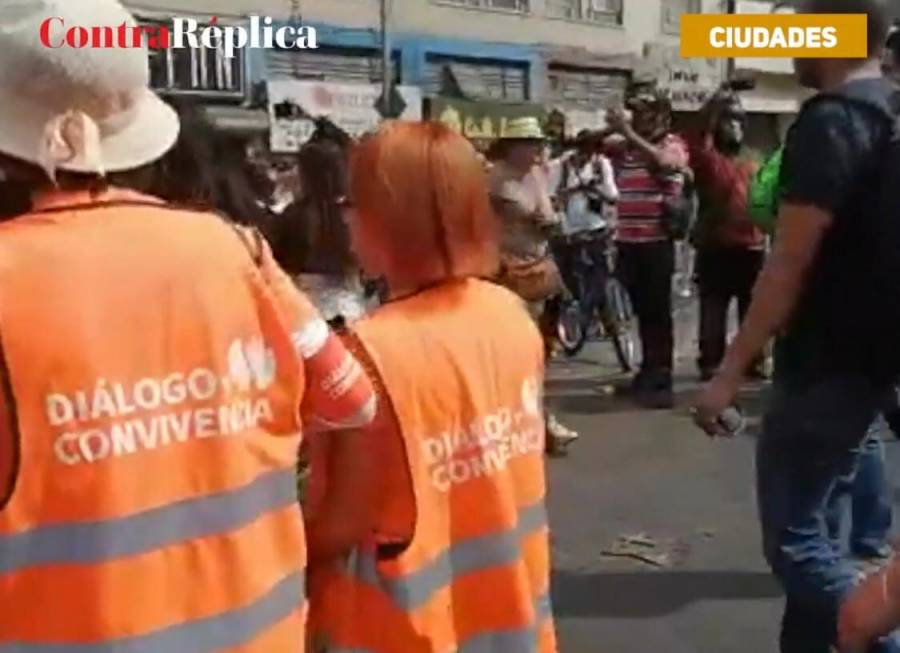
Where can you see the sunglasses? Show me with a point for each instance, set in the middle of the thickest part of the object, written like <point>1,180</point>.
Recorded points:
<point>642,102</point>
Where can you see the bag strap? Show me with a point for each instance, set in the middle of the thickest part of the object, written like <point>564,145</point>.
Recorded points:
<point>252,240</point>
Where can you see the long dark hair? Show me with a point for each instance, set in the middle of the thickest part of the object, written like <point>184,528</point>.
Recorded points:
<point>14,200</point>
<point>311,236</point>
<point>207,170</point>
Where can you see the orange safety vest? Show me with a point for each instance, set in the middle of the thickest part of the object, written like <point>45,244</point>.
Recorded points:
<point>146,369</point>
<point>463,365</point>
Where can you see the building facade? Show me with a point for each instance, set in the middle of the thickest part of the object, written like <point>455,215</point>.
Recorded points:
<point>571,56</point>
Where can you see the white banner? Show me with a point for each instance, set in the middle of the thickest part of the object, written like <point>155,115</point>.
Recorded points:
<point>350,106</point>
<point>688,82</point>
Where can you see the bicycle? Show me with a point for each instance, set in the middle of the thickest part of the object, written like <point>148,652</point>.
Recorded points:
<point>598,306</point>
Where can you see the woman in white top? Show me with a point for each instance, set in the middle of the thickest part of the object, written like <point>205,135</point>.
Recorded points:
<point>521,196</point>
<point>586,187</point>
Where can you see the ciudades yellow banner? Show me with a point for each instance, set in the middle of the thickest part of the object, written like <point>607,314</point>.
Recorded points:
<point>839,36</point>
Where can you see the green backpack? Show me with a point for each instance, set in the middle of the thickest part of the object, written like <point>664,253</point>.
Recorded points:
<point>765,193</point>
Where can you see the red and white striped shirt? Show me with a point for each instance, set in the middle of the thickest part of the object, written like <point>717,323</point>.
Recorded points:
<point>643,190</point>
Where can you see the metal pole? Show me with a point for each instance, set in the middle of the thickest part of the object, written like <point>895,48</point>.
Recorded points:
<point>387,68</point>
<point>730,64</point>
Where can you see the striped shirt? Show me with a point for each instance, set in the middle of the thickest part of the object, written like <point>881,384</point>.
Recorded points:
<point>643,190</point>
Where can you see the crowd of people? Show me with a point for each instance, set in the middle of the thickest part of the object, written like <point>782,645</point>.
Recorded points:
<point>189,325</point>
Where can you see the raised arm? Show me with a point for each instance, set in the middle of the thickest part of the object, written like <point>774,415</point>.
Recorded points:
<point>338,394</point>
<point>662,156</point>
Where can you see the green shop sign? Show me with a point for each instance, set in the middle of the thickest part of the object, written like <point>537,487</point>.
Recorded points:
<point>481,120</point>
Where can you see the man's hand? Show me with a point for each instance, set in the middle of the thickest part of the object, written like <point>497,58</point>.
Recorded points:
<point>618,121</point>
<point>801,229</point>
<point>714,400</point>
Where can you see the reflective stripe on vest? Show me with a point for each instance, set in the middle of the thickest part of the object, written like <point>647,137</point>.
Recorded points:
<point>153,462</point>
<point>92,542</point>
<point>522,640</point>
<point>465,557</point>
<point>223,631</point>
<point>477,535</point>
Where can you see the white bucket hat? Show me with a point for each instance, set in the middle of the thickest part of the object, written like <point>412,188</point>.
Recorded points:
<point>83,110</point>
<point>527,128</point>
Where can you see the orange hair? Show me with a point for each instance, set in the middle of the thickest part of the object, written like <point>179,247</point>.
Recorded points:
<point>423,207</point>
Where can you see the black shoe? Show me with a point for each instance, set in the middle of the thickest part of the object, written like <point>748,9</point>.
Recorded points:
<point>641,381</point>
<point>657,393</point>
<point>893,420</point>
<point>656,399</point>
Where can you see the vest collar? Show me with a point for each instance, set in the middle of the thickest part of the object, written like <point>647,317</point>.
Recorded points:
<point>54,200</point>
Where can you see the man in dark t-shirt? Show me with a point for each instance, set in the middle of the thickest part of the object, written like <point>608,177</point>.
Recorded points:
<point>812,293</point>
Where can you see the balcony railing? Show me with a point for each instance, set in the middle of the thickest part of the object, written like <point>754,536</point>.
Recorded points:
<point>512,6</point>
<point>607,12</point>
<point>197,71</point>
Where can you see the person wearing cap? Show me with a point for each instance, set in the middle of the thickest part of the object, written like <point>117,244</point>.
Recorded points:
<point>155,366</point>
<point>520,191</point>
<point>730,247</point>
<point>519,186</point>
<point>650,163</point>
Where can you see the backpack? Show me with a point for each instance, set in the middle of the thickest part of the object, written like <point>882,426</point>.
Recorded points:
<point>873,303</point>
<point>765,193</point>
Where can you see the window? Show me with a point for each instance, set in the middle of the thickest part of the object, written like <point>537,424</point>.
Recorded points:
<point>517,6</point>
<point>672,11</point>
<point>593,11</point>
<point>197,71</point>
<point>586,88</point>
<point>331,64</point>
<point>477,79</point>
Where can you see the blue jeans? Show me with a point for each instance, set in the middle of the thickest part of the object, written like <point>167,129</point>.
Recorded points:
<point>864,497</point>
<point>809,447</point>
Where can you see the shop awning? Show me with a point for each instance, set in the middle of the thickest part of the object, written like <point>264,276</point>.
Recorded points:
<point>237,119</point>
<point>578,57</point>
<point>349,106</point>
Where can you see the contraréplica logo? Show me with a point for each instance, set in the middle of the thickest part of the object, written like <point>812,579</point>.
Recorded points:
<point>261,32</point>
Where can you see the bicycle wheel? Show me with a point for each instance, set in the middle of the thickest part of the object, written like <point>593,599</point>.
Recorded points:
<point>569,329</point>
<point>621,324</point>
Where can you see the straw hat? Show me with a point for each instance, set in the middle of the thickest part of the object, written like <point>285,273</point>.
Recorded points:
<point>82,110</point>
<point>523,129</point>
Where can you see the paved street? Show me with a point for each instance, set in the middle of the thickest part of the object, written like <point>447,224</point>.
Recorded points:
<point>652,473</point>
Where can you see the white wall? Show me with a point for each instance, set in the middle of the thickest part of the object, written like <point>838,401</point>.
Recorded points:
<point>642,22</point>
<point>209,8</point>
